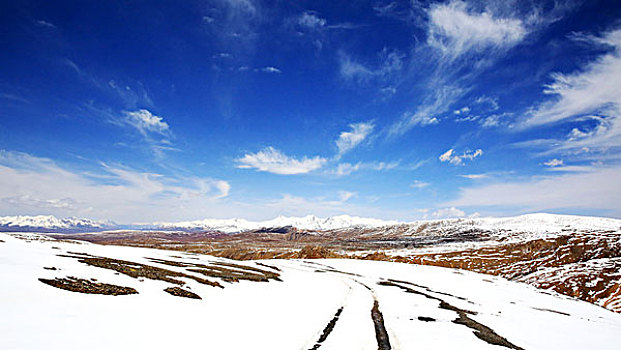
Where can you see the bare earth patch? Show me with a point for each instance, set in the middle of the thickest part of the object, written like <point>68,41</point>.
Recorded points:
<point>226,271</point>
<point>328,329</point>
<point>80,285</point>
<point>179,292</point>
<point>137,270</point>
<point>383,342</point>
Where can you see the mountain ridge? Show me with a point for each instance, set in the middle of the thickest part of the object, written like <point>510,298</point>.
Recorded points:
<point>536,223</point>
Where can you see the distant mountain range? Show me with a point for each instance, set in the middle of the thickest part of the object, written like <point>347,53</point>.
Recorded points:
<point>50,223</point>
<point>534,223</point>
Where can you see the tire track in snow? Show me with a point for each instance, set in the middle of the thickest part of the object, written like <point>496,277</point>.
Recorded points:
<point>381,334</point>
<point>328,329</point>
<point>383,342</point>
<point>480,330</point>
<point>304,266</point>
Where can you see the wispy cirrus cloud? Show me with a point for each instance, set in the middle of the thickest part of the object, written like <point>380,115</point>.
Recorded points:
<point>428,112</point>
<point>46,24</point>
<point>112,192</point>
<point>463,40</point>
<point>273,161</point>
<point>344,196</point>
<point>311,19</point>
<point>14,97</point>
<point>589,97</point>
<point>417,184</point>
<point>233,21</point>
<point>348,140</point>
<point>390,62</point>
<point>343,169</point>
<point>452,157</point>
<point>455,28</point>
<point>270,69</point>
<point>474,176</point>
<point>598,188</point>
<point>155,131</point>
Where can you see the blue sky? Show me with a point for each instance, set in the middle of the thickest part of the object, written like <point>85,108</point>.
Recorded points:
<point>139,111</point>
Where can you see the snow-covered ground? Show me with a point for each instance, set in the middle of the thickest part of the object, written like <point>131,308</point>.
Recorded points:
<point>419,305</point>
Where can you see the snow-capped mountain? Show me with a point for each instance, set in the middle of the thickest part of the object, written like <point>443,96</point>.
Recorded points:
<point>538,223</point>
<point>309,222</point>
<point>50,223</point>
<point>542,223</point>
<point>535,224</point>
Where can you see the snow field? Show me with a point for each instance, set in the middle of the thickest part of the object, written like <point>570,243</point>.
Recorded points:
<point>279,315</point>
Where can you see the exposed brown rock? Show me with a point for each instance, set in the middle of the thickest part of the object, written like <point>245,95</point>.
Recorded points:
<point>80,285</point>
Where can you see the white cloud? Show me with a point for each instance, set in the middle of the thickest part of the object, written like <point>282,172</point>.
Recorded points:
<point>491,103</point>
<point>554,163</point>
<point>597,189</point>
<point>575,168</point>
<point>447,156</point>
<point>390,62</point>
<point>145,122</point>
<point>435,104</point>
<point>247,7</point>
<point>222,186</point>
<point>590,96</point>
<point>46,24</point>
<point>451,157</point>
<point>451,212</point>
<point>232,25</point>
<point>311,20</point>
<point>493,120</point>
<point>344,196</point>
<point>419,184</point>
<point>474,176</point>
<point>463,40</point>
<point>31,185</point>
<point>455,29</point>
<point>348,140</point>
<point>587,90</point>
<point>344,169</point>
<point>15,98</point>
<point>351,70</point>
<point>385,166</point>
<point>464,110</point>
<point>273,161</point>
<point>420,118</point>
<point>271,70</point>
